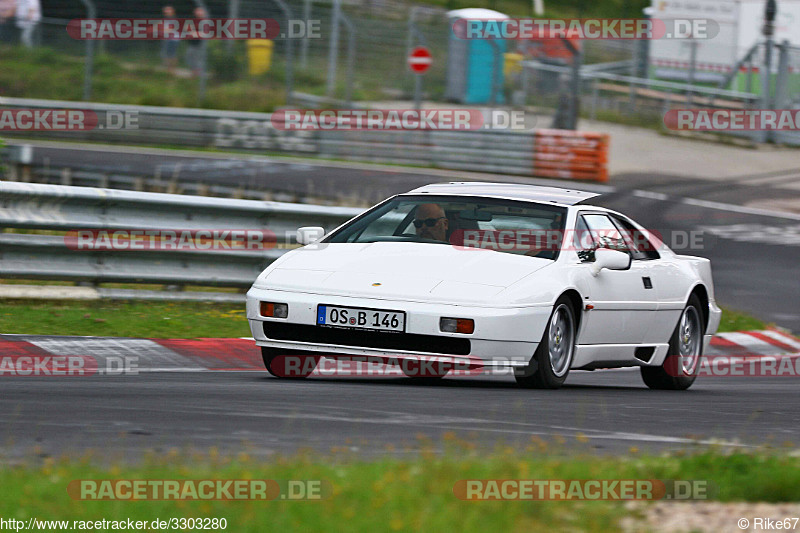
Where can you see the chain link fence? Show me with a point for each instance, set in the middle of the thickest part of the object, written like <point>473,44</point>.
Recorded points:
<point>363,59</point>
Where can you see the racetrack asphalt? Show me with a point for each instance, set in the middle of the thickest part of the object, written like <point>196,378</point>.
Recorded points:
<point>125,415</point>
<point>606,412</point>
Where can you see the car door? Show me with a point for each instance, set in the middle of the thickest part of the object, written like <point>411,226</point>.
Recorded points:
<point>623,304</point>
<point>664,278</point>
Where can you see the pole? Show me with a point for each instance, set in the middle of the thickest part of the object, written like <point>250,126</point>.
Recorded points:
<point>575,89</point>
<point>304,49</point>
<point>333,48</point>
<point>289,65</point>
<point>692,69</point>
<point>233,13</point>
<point>770,9</point>
<point>201,81</point>
<point>351,57</point>
<point>418,91</point>
<point>781,97</point>
<point>412,30</point>
<point>575,85</point>
<point>91,12</point>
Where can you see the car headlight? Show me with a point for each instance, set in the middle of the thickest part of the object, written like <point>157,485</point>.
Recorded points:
<point>273,310</point>
<point>457,325</point>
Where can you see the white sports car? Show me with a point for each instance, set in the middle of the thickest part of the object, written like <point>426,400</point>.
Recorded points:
<point>493,276</point>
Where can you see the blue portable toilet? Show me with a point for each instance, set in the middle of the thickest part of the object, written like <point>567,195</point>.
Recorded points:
<point>475,66</point>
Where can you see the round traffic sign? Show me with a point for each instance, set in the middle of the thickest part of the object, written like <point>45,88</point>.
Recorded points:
<point>419,60</point>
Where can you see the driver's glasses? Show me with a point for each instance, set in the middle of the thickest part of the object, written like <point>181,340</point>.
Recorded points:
<point>430,222</point>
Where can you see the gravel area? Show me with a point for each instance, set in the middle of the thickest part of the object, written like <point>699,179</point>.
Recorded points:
<point>711,517</point>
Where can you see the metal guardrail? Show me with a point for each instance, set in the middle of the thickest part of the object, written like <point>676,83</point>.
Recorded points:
<point>27,206</point>
<point>480,150</point>
<point>141,183</point>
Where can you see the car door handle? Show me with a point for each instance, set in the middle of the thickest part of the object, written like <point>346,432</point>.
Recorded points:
<point>648,284</point>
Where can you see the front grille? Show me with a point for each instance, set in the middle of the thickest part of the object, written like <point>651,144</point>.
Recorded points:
<point>412,342</point>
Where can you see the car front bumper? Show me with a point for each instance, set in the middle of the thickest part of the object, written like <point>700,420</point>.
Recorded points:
<point>502,336</point>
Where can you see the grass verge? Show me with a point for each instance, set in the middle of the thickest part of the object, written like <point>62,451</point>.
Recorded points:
<point>733,320</point>
<point>171,319</point>
<point>123,318</point>
<point>412,494</point>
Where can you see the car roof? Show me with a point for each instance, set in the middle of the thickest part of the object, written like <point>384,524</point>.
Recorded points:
<point>510,191</point>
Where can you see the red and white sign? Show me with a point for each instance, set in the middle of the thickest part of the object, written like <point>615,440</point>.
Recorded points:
<point>420,59</point>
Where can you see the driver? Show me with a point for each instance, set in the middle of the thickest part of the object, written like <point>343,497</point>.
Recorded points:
<point>431,222</point>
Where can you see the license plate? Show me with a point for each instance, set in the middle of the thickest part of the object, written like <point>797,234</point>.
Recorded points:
<point>356,317</point>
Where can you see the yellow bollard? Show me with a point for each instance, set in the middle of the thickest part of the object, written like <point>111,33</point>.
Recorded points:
<point>512,64</point>
<point>259,56</point>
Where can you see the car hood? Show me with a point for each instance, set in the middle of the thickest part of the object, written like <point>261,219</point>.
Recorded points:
<point>408,271</point>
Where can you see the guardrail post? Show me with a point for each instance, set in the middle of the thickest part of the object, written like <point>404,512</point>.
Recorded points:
<point>20,161</point>
<point>91,13</point>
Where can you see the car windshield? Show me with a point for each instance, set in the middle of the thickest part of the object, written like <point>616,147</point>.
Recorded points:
<point>524,228</point>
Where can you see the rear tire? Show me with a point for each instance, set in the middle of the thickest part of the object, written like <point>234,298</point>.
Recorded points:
<point>550,364</point>
<point>679,369</point>
<point>277,364</point>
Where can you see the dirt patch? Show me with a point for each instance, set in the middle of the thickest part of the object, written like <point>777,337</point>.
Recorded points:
<point>711,517</point>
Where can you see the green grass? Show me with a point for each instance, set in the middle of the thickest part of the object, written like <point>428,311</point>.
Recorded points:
<point>124,318</point>
<point>391,493</point>
<point>733,320</point>
<point>50,74</point>
<point>170,319</point>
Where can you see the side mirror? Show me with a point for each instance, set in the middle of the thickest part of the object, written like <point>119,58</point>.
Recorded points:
<point>309,234</point>
<point>610,259</point>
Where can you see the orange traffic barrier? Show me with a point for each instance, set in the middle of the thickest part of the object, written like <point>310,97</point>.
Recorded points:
<point>571,155</point>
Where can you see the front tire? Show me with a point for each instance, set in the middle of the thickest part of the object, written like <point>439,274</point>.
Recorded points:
<point>287,363</point>
<point>679,369</point>
<point>550,364</point>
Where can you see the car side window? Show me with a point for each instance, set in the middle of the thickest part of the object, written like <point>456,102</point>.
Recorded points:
<point>642,247</point>
<point>604,233</point>
<point>583,241</point>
